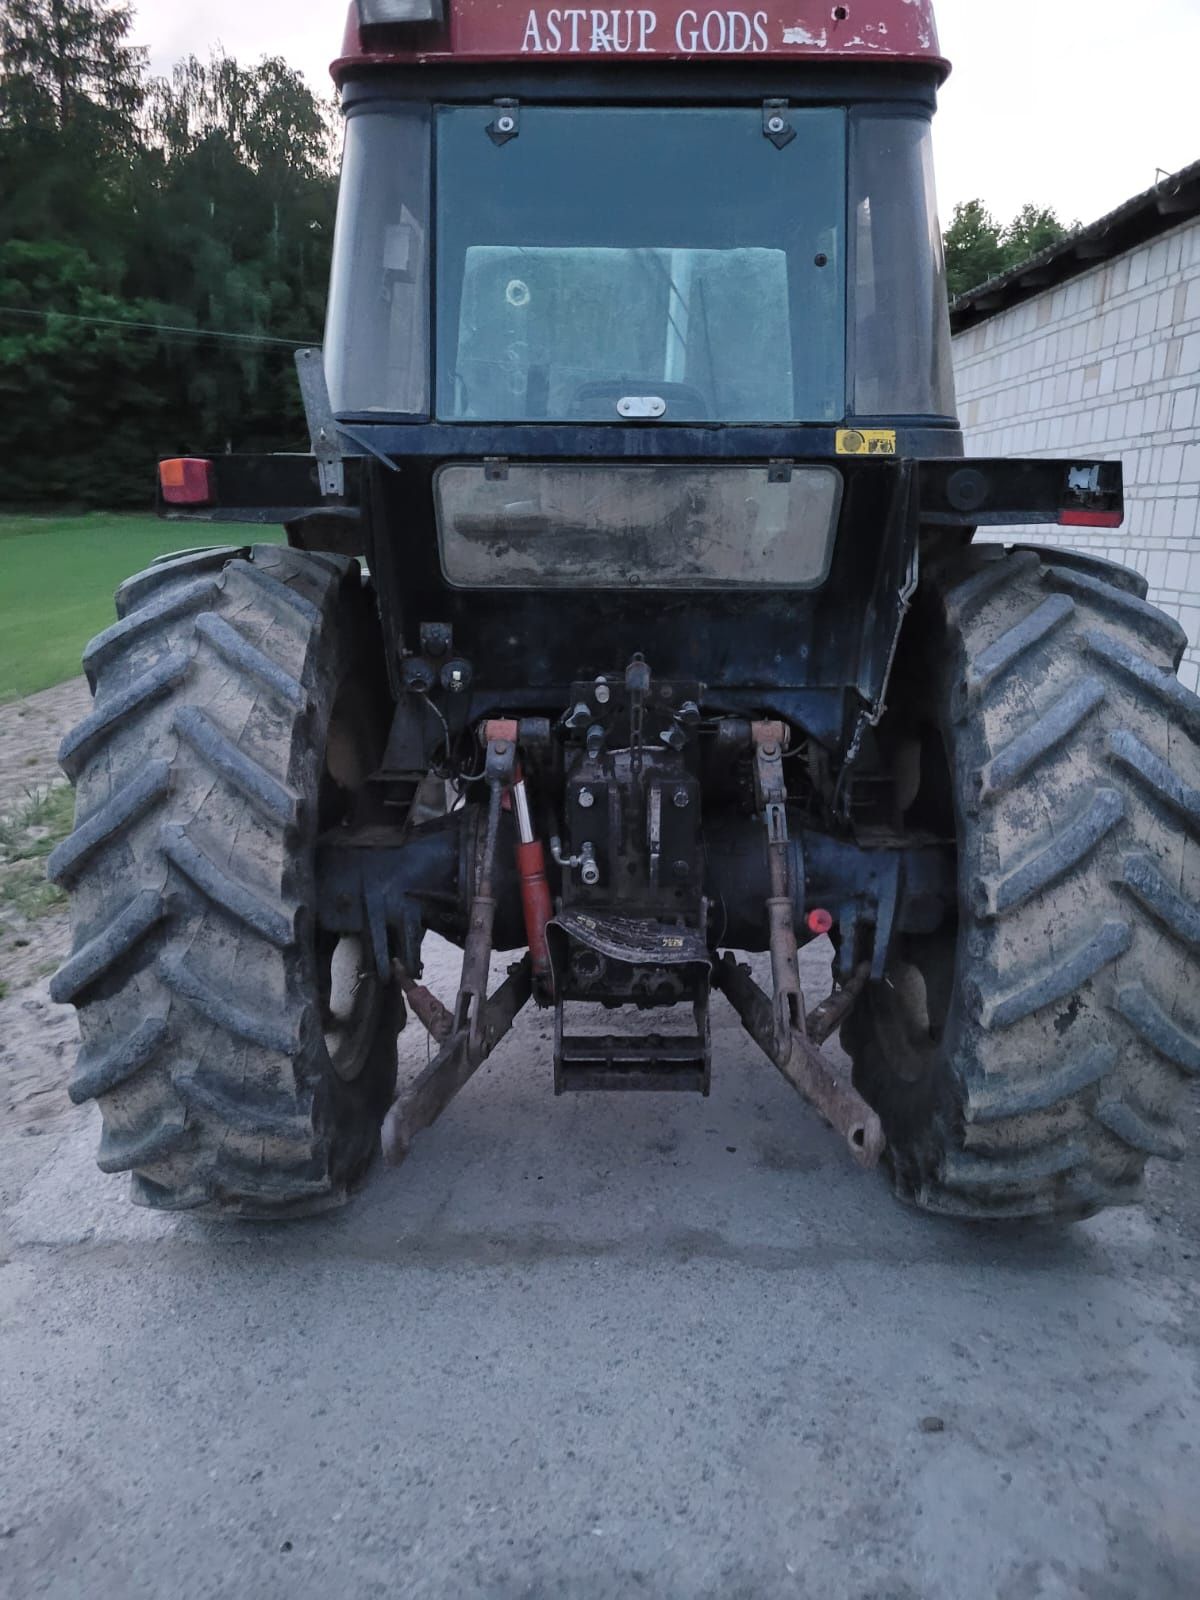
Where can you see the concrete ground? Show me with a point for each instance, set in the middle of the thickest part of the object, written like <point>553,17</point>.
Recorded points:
<point>598,1346</point>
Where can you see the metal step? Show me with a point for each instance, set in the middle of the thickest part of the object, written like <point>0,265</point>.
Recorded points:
<point>670,1063</point>
<point>621,960</point>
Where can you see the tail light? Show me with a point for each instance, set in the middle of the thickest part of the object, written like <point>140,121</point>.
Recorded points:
<point>186,481</point>
<point>1091,519</point>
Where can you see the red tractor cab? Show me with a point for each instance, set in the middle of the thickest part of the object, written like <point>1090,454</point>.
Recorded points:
<point>662,216</point>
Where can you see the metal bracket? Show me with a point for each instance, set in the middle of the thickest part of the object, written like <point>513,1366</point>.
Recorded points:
<point>896,592</point>
<point>322,428</point>
<point>904,600</point>
<point>637,686</point>
<point>365,444</point>
<point>1083,480</point>
<point>422,1102</point>
<point>654,831</point>
<point>499,764</point>
<point>770,788</point>
<point>803,1065</point>
<point>506,124</point>
<point>776,124</point>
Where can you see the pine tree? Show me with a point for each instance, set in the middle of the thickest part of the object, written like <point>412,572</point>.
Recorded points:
<point>974,247</point>
<point>67,65</point>
<point>979,248</point>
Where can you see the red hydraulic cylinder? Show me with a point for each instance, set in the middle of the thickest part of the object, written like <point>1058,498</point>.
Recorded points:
<point>535,887</point>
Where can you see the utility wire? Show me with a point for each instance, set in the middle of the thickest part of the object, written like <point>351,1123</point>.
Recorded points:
<point>161,327</point>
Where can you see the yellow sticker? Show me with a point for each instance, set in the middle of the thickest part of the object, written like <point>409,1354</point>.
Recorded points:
<point>866,442</point>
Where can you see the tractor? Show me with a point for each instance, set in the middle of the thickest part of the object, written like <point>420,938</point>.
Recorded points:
<point>632,620</point>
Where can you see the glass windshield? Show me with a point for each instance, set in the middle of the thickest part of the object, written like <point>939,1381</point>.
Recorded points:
<point>902,359</point>
<point>673,260</point>
<point>377,325</point>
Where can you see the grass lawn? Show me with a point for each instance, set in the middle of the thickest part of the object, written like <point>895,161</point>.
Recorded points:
<point>57,577</point>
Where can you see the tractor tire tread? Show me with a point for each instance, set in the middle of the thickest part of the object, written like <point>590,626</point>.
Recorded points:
<point>1076,776</point>
<point>105,825</point>
<point>1119,605</point>
<point>168,571</point>
<point>191,873</point>
<point>250,661</point>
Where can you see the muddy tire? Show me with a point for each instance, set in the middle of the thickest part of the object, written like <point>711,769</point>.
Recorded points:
<point>236,717</point>
<point>1029,1061</point>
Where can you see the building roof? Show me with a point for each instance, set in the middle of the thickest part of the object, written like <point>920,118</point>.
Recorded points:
<point>1172,201</point>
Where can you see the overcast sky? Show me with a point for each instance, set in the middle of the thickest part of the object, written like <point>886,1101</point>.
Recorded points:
<point>1071,104</point>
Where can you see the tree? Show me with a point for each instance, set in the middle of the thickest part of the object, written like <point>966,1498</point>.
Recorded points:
<point>978,247</point>
<point>239,217</point>
<point>974,247</point>
<point>67,65</point>
<point>1031,231</point>
<point>70,91</point>
<point>203,202</point>
<point>267,113</point>
<point>79,394</point>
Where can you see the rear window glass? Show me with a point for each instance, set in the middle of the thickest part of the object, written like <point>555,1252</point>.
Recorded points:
<point>548,526</point>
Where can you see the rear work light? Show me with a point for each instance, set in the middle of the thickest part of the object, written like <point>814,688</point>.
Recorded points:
<point>186,481</point>
<point>387,13</point>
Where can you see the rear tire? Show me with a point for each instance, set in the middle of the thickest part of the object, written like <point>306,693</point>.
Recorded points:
<point>1029,1062</point>
<point>237,715</point>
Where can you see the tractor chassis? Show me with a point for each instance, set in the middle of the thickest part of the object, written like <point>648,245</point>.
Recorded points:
<point>398,870</point>
<point>788,1035</point>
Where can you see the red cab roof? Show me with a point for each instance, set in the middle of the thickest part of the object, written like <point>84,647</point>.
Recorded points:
<point>658,30</point>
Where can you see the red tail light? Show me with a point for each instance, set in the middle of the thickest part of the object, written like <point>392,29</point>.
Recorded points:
<point>1091,519</point>
<point>186,481</point>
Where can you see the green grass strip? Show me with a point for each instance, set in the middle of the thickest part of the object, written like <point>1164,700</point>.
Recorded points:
<point>57,580</point>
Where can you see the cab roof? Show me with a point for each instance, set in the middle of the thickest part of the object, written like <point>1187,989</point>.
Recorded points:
<point>381,33</point>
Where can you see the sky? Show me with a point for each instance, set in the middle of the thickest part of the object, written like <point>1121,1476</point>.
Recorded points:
<point>1072,104</point>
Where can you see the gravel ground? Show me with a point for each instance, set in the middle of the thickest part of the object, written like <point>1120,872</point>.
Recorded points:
<point>30,730</point>
<point>596,1346</point>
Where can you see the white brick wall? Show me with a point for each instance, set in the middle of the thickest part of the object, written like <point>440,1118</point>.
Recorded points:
<point>1107,365</point>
